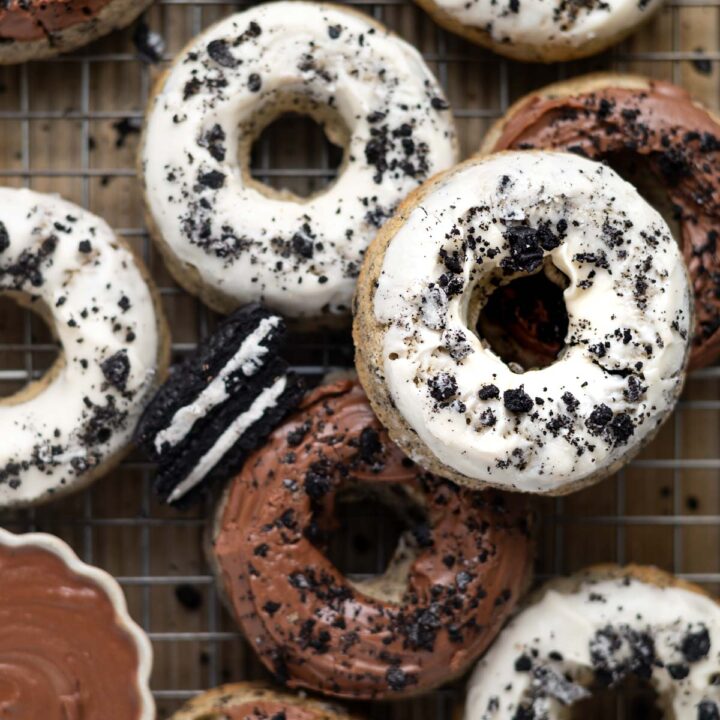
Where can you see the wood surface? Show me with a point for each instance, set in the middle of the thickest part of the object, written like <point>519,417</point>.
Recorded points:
<point>58,132</point>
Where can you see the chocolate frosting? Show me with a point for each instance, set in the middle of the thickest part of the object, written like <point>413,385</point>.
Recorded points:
<point>466,566</point>
<point>62,654</point>
<point>28,20</point>
<point>681,143</point>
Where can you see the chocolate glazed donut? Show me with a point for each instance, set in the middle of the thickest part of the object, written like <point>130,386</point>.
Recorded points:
<point>605,115</point>
<point>34,29</point>
<point>448,590</point>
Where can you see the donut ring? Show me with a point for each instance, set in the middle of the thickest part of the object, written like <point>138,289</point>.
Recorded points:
<point>254,701</point>
<point>447,399</point>
<point>594,629</point>
<point>536,31</point>
<point>65,430</point>
<point>450,586</point>
<point>231,239</point>
<point>36,29</point>
<point>598,115</point>
<point>68,647</point>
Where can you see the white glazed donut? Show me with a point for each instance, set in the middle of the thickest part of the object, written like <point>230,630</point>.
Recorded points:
<point>64,430</point>
<point>542,30</point>
<point>233,240</point>
<point>447,398</point>
<point>596,629</point>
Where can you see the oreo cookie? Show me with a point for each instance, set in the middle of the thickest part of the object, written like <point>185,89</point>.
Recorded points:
<point>218,405</point>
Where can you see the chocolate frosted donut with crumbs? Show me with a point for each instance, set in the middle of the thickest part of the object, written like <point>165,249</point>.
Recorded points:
<point>608,117</point>
<point>61,432</point>
<point>453,581</point>
<point>252,701</point>
<point>34,29</point>
<point>597,629</point>
<point>450,395</point>
<point>232,239</point>
<point>219,404</point>
<point>68,648</point>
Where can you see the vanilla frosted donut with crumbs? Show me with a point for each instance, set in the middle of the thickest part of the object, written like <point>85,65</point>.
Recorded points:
<point>539,30</point>
<point>596,629</point>
<point>447,398</point>
<point>64,430</point>
<point>233,240</point>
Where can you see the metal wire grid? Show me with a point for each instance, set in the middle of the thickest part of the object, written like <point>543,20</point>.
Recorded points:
<point>126,509</point>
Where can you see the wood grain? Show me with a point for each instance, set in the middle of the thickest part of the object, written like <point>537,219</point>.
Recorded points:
<point>58,132</point>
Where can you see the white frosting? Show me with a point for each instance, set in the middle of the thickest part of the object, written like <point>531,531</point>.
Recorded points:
<point>550,23</point>
<point>265,400</point>
<point>628,290</point>
<point>573,632</point>
<point>104,316</point>
<point>300,257</point>
<point>247,359</point>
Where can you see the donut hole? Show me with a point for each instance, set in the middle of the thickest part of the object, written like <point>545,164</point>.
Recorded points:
<point>631,698</point>
<point>376,531</point>
<point>525,321</point>
<point>29,351</point>
<point>642,173</point>
<point>296,152</point>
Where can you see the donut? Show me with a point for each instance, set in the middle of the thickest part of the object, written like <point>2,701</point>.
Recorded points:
<point>68,648</point>
<point>534,31</point>
<point>76,422</point>
<point>449,400</point>
<point>233,240</point>
<point>218,404</point>
<point>657,126</point>
<point>595,630</point>
<point>253,701</point>
<point>35,29</point>
<point>454,578</point>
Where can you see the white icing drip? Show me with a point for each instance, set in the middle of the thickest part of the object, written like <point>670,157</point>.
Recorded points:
<point>298,257</point>
<point>566,623</point>
<point>531,451</point>
<point>101,306</point>
<point>266,399</point>
<point>546,24</point>
<point>248,358</point>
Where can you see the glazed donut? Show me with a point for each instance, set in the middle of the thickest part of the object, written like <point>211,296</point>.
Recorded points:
<point>68,428</point>
<point>35,29</point>
<point>594,630</point>
<point>68,648</point>
<point>536,31</point>
<point>219,404</point>
<point>448,400</point>
<point>252,701</point>
<point>605,115</point>
<point>233,240</point>
<point>453,580</point>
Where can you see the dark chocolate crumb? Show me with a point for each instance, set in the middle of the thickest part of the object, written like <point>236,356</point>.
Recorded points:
<point>517,400</point>
<point>189,596</point>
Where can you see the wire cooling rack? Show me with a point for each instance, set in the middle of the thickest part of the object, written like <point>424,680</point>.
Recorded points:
<point>70,126</point>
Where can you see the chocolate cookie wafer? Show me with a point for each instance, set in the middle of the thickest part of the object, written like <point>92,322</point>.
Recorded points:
<point>219,404</point>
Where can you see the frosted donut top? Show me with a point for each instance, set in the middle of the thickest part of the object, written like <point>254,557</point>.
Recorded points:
<point>598,633</point>
<point>64,259</point>
<point>300,257</point>
<point>628,305</point>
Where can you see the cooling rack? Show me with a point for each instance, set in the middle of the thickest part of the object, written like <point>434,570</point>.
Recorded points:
<point>70,125</point>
